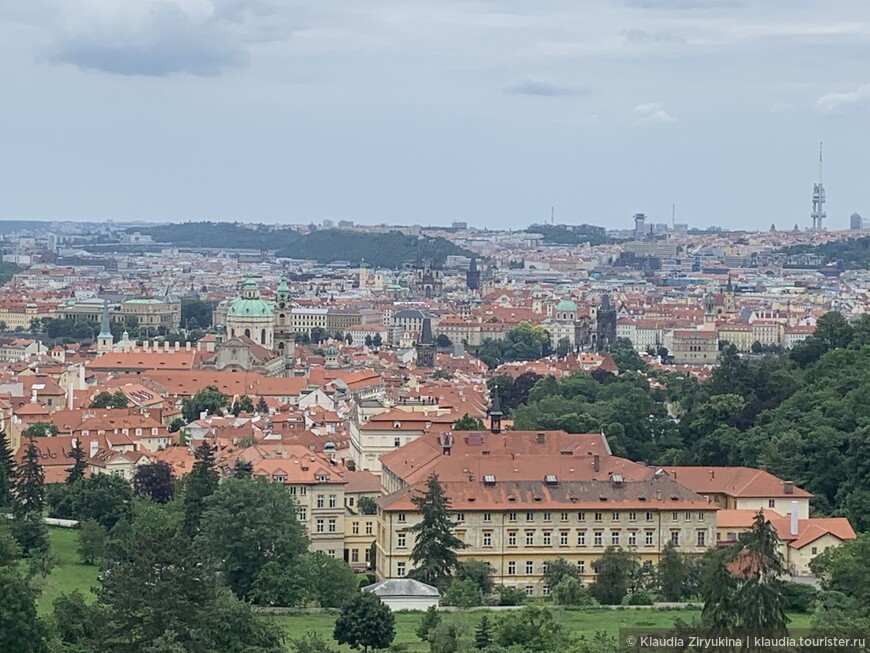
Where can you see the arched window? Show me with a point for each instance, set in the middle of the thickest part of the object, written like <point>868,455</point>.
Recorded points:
<point>247,333</point>
<point>262,336</point>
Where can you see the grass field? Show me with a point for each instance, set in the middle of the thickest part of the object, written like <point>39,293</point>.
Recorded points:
<point>69,575</point>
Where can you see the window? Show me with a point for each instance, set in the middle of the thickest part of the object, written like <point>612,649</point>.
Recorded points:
<point>401,540</point>
<point>614,538</point>
<point>814,550</point>
<point>581,538</point>
<point>649,516</point>
<point>702,538</point>
<point>596,538</point>
<point>632,538</point>
<point>303,490</point>
<point>581,566</point>
<point>368,528</point>
<point>545,590</point>
<point>354,555</point>
<point>530,538</point>
<point>675,516</point>
<point>368,555</point>
<point>460,516</point>
<point>487,517</point>
<point>512,569</point>
<point>400,569</point>
<point>291,489</point>
<point>563,516</point>
<point>530,516</point>
<point>530,567</point>
<point>771,503</point>
<point>547,516</point>
<point>512,538</point>
<point>332,525</point>
<point>402,518</point>
<point>319,526</point>
<point>581,516</point>
<point>563,538</point>
<point>688,516</point>
<point>319,501</point>
<point>548,538</point>
<point>598,516</point>
<point>675,538</point>
<point>487,538</point>
<point>332,501</point>
<point>632,516</point>
<point>614,516</point>
<point>701,516</point>
<point>331,553</point>
<point>529,589</point>
<point>648,538</point>
<point>512,516</point>
<point>397,442</point>
<point>302,514</point>
<point>354,527</point>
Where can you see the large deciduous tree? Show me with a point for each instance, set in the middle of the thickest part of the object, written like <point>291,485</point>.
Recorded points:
<point>365,622</point>
<point>434,552</point>
<point>154,481</point>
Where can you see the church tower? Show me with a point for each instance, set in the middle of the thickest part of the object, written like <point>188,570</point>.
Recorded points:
<point>105,341</point>
<point>426,346</point>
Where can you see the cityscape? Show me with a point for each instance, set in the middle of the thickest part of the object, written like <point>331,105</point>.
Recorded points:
<point>434,328</point>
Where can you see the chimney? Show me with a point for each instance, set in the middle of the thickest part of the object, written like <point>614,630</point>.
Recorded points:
<point>794,518</point>
<point>69,397</point>
<point>94,448</point>
<point>596,463</point>
<point>187,346</point>
<point>74,442</point>
<point>177,345</point>
<point>165,346</point>
<point>712,474</point>
<point>788,487</point>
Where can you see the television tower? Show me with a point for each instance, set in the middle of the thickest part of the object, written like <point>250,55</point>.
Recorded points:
<point>818,213</point>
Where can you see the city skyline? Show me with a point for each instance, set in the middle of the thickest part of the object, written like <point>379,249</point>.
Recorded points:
<point>488,113</point>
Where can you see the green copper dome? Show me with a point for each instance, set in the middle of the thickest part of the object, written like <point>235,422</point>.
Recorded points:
<point>250,304</point>
<point>566,306</point>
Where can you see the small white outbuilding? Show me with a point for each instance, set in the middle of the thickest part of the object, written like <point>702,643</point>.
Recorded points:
<point>405,594</point>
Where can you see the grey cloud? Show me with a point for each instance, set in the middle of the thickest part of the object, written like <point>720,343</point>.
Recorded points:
<point>644,37</point>
<point>159,37</point>
<point>541,88</point>
<point>841,102</point>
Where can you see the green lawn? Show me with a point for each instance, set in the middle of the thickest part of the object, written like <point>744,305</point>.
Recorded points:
<point>69,574</point>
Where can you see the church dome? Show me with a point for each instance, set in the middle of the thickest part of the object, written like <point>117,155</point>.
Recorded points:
<point>250,304</point>
<point>566,306</point>
<point>331,351</point>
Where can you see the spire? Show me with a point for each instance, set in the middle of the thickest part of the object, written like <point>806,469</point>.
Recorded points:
<point>104,324</point>
<point>495,413</point>
<point>426,335</point>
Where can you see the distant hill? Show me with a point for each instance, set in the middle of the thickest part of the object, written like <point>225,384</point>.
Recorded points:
<point>561,234</point>
<point>854,252</point>
<point>382,249</point>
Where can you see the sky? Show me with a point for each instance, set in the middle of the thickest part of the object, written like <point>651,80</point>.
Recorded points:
<point>426,112</point>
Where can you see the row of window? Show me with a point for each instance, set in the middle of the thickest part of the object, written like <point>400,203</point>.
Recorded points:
<point>615,516</point>
<point>354,528</point>
<point>320,501</point>
<point>330,524</point>
<point>597,538</point>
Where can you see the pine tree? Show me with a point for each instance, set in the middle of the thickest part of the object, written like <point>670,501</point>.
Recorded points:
<point>719,611</point>
<point>431,618</point>
<point>262,406</point>
<point>483,634</point>
<point>671,574</point>
<point>28,526</point>
<point>759,598</point>
<point>434,553</point>
<point>7,471</point>
<point>201,484</point>
<point>243,468</point>
<point>77,471</point>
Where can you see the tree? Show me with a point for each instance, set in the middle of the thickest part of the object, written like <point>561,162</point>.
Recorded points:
<point>244,525</point>
<point>10,552</point>
<point>77,471</point>
<point>431,618</point>
<point>20,629</point>
<point>365,622</point>
<point>91,542</point>
<point>720,609</point>
<point>626,357</point>
<point>262,406</point>
<point>311,643</point>
<point>209,400</point>
<point>671,574</point>
<point>243,468</point>
<point>556,570</point>
<point>446,637</point>
<point>614,570</point>
<point>244,405</point>
<point>570,591</point>
<point>532,629</point>
<point>368,342</point>
<point>479,572</point>
<point>154,481</point>
<point>468,423</point>
<point>462,594</point>
<point>176,425</point>
<point>377,341</point>
<point>7,471</point>
<point>104,498</point>
<point>367,506</point>
<point>27,526</point>
<point>78,623</point>
<point>200,484</point>
<point>483,633</point>
<point>332,582</point>
<point>39,430</point>
<point>106,399</point>
<point>563,347</point>
<point>434,552</point>
<point>318,335</point>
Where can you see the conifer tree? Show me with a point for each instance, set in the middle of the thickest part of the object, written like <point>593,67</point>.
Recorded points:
<point>77,471</point>
<point>434,553</point>
<point>483,634</point>
<point>7,471</point>
<point>201,484</point>
<point>760,599</point>
<point>431,618</point>
<point>29,501</point>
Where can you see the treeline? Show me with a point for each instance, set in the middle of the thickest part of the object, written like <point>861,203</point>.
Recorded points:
<point>854,252</point>
<point>392,249</point>
<point>561,234</point>
<point>805,416</point>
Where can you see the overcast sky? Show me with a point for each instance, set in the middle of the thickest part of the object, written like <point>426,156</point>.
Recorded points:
<point>408,111</point>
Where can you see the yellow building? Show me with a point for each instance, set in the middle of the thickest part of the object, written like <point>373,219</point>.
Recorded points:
<point>523,498</point>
